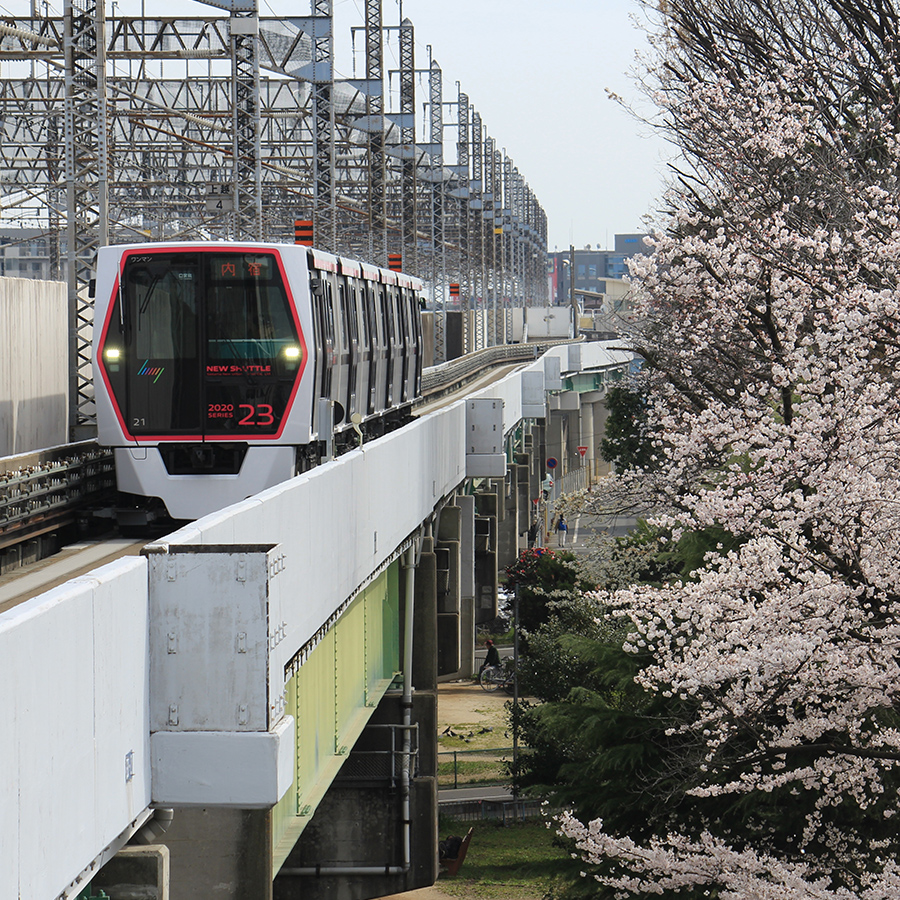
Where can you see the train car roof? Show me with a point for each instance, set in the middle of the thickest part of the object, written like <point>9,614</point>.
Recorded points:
<point>323,260</point>
<point>370,272</point>
<point>212,244</point>
<point>350,267</point>
<point>327,262</point>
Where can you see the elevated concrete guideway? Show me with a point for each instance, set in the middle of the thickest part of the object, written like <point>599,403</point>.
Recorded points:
<point>269,672</point>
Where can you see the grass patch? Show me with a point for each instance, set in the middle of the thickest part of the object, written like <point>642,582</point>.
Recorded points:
<point>519,862</point>
<point>474,767</point>
<point>476,736</point>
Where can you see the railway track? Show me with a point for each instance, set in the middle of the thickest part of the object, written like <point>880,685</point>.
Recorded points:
<point>45,491</point>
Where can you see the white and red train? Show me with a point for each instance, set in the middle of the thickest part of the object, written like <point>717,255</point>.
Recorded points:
<point>211,359</point>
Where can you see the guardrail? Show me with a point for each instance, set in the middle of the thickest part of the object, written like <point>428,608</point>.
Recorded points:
<point>42,491</point>
<point>507,811</point>
<point>458,371</point>
<point>465,768</point>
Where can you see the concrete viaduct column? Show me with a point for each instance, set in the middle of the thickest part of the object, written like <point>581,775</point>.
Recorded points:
<point>593,428</point>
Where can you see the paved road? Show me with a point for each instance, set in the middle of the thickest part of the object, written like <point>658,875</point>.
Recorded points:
<point>583,528</point>
<point>497,792</point>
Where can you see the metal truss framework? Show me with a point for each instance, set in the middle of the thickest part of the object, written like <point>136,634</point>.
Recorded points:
<point>117,128</point>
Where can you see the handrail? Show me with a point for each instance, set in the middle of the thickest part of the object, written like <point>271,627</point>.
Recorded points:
<point>456,371</point>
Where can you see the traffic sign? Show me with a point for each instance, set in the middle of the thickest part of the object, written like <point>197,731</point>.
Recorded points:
<point>582,451</point>
<point>552,462</point>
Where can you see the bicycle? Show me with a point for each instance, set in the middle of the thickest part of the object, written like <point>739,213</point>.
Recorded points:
<point>492,678</point>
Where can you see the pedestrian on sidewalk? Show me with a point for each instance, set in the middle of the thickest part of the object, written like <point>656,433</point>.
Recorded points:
<point>562,529</point>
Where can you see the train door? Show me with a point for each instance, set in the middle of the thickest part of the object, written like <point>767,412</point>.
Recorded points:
<point>387,320</point>
<point>367,291</point>
<point>323,324</point>
<point>406,342</point>
<point>357,290</point>
<point>397,345</point>
<point>339,356</point>
<point>417,344</point>
<point>349,347</point>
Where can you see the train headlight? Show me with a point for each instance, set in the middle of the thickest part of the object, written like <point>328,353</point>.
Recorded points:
<point>292,353</point>
<point>113,354</point>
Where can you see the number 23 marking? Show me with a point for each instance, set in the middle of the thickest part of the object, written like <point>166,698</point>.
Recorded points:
<point>262,413</point>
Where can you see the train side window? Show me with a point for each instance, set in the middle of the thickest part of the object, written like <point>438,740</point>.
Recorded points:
<point>352,312</point>
<point>329,312</point>
<point>325,316</point>
<point>342,300</point>
<point>386,316</point>
<point>396,317</point>
<point>414,317</point>
<point>404,316</point>
<point>369,307</point>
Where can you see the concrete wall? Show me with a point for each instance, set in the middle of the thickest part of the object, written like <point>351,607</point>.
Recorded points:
<point>34,370</point>
<point>75,738</point>
<point>339,523</point>
<point>548,322</point>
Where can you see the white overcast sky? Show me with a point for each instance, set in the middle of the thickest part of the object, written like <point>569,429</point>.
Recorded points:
<point>538,73</point>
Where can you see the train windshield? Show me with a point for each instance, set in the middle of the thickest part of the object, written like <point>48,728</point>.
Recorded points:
<point>202,343</point>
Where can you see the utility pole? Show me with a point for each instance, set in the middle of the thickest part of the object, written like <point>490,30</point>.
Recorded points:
<point>572,299</point>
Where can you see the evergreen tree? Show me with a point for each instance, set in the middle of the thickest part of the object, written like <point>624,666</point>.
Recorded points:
<point>627,443</point>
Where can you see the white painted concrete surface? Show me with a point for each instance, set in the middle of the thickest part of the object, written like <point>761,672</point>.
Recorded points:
<point>34,371</point>
<point>74,741</point>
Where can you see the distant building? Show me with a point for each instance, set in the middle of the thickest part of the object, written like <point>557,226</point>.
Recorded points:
<point>25,253</point>
<point>593,269</point>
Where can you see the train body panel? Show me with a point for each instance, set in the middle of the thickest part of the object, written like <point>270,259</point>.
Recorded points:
<point>209,355</point>
<point>143,473</point>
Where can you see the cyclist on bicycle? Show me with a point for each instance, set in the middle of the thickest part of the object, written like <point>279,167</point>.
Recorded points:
<point>492,658</point>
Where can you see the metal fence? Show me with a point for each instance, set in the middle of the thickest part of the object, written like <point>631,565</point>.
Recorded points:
<point>507,811</point>
<point>464,768</point>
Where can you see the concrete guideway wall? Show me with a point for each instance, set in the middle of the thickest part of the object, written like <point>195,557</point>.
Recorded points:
<point>74,744</point>
<point>34,372</point>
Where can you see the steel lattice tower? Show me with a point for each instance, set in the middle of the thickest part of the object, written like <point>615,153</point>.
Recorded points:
<point>324,213</point>
<point>462,159</point>
<point>476,204</point>
<point>374,114</point>
<point>408,154</point>
<point>245,125</point>
<point>438,264</point>
<point>87,181</point>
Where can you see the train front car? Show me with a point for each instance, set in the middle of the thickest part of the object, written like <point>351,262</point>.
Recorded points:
<point>201,369</point>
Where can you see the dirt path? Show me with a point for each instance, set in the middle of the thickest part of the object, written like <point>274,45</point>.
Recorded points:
<point>465,703</point>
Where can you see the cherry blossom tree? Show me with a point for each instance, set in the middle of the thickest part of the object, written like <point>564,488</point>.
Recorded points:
<point>768,312</point>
